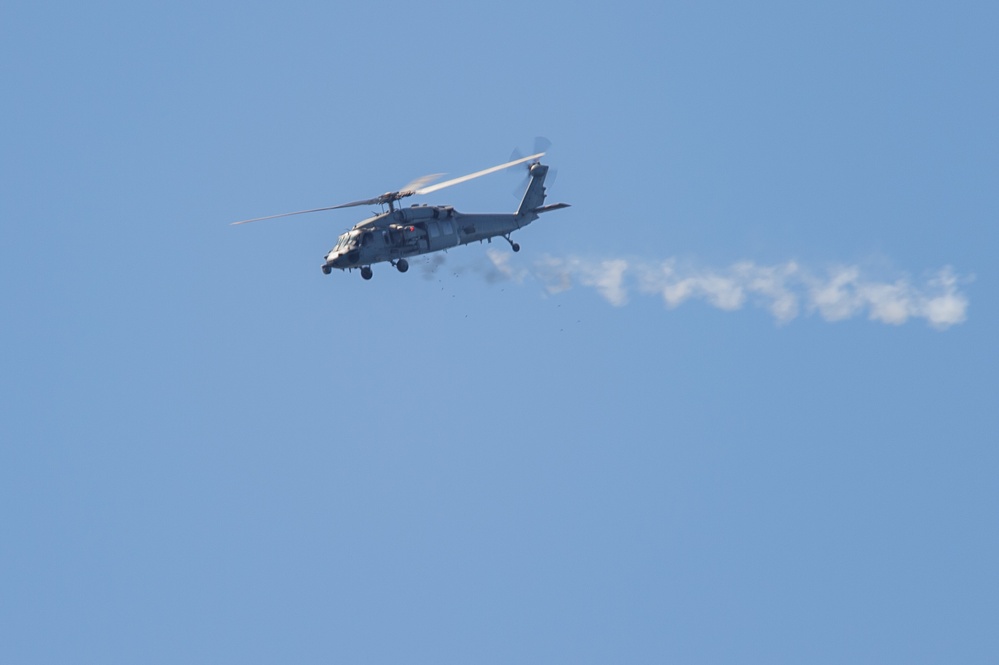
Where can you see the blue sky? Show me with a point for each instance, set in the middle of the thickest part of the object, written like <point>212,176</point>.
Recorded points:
<point>736,404</point>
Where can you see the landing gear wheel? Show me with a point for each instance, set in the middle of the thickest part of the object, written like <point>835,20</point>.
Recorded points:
<point>514,246</point>
<point>402,265</point>
<point>366,272</point>
<point>326,270</point>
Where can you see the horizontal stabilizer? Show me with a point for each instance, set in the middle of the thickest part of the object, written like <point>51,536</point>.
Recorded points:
<point>550,207</point>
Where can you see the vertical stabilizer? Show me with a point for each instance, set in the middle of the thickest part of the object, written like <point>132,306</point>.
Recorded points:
<point>534,197</point>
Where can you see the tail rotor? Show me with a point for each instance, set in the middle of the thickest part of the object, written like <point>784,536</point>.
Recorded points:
<point>541,145</point>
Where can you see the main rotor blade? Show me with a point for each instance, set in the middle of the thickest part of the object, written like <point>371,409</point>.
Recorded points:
<point>420,182</point>
<point>464,178</point>
<point>408,190</point>
<point>302,212</point>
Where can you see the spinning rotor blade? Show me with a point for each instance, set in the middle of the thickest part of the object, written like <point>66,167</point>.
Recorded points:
<point>465,178</point>
<point>420,182</point>
<point>302,212</point>
<point>365,202</point>
<point>541,145</point>
<point>415,187</point>
<point>394,196</point>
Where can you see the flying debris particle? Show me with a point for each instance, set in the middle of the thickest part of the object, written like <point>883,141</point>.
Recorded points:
<point>431,264</point>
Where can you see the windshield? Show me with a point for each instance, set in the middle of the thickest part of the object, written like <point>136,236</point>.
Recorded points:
<point>344,241</point>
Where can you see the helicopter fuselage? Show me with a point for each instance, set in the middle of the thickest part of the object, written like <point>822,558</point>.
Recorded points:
<point>400,233</point>
<point>423,229</point>
<point>395,235</point>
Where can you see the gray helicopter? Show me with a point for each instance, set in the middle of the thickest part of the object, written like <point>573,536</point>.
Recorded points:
<point>400,232</point>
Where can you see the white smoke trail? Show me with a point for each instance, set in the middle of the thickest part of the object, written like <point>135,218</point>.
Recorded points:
<point>785,290</point>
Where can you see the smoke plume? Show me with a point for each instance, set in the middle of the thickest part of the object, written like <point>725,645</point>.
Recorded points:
<point>786,290</point>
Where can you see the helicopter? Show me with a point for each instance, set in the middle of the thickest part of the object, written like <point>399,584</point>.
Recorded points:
<point>399,233</point>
